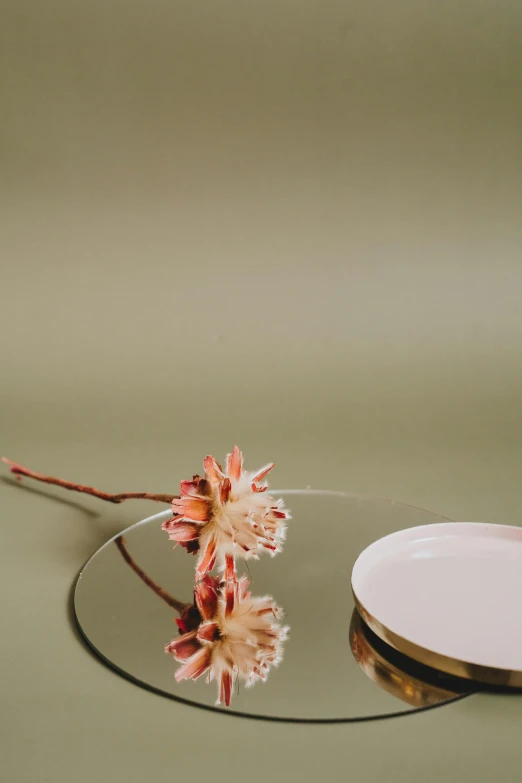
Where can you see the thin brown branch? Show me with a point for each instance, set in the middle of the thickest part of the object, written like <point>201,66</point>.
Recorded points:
<point>179,606</point>
<point>119,498</point>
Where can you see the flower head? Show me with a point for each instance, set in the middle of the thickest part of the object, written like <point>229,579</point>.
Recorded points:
<point>227,514</point>
<point>240,638</point>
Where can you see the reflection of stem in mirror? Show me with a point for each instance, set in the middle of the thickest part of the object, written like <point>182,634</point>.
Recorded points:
<point>179,606</point>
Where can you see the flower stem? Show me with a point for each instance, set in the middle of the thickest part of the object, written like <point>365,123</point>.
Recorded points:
<point>119,498</point>
<point>179,606</point>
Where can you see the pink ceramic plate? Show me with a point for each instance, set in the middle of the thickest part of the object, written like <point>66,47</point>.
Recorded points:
<point>448,595</point>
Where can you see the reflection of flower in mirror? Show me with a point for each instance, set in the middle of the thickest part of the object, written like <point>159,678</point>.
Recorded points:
<point>227,514</point>
<point>239,638</point>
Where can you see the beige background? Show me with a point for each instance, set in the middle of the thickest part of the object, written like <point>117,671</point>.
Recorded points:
<point>294,225</point>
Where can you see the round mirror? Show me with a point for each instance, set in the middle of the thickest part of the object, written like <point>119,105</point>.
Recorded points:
<point>128,622</point>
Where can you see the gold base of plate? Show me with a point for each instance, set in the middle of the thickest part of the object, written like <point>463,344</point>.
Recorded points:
<point>407,680</point>
<point>457,668</point>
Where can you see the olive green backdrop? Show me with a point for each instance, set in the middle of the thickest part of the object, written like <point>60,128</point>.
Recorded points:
<point>295,225</point>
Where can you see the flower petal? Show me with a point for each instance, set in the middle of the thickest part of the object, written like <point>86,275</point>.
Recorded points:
<point>213,470</point>
<point>230,597</point>
<point>184,531</point>
<point>224,490</point>
<point>208,632</point>
<point>195,666</point>
<point>266,610</point>
<point>190,618</point>
<point>243,588</point>
<point>196,487</point>
<point>193,509</point>
<point>184,647</point>
<point>206,595</point>
<point>278,514</point>
<point>225,689</point>
<point>208,559</point>
<point>230,568</point>
<point>235,464</point>
<point>262,488</point>
<point>262,473</point>
<point>170,522</point>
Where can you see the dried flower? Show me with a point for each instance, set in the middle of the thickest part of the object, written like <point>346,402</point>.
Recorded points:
<point>227,515</point>
<point>239,638</point>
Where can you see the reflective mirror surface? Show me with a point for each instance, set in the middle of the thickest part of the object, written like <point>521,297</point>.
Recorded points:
<point>319,679</point>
